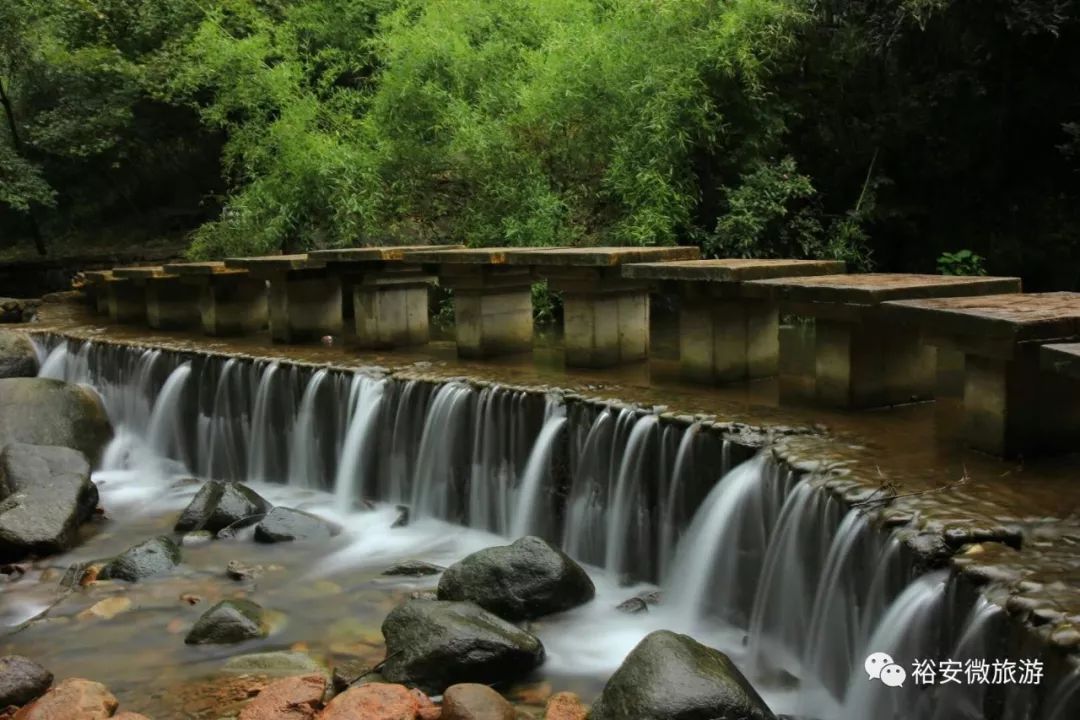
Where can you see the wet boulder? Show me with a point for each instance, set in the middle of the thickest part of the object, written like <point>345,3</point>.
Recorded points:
<point>219,505</point>
<point>156,556</point>
<point>374,701</point>
<point>434,644</point>
<point>17,355</point>
<point>521,581</point>
<point>673,677</point>
<point>22,680</point>
<point>412,568</point>
<point>284,524</point>
<point>45,495</point>
<point>292,698</point>
<point>230,621</point>
<point>41,411</point>
<point>471,701</point>
<point>72,699</point>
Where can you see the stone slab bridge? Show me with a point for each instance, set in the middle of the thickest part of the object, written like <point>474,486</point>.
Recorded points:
<point>878,339</point>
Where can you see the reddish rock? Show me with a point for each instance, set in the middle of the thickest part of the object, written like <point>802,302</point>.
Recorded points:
<point>470,701</point>
<point>73,699</point>
<point>429,713</point>
<point>129,716</point>
<point>565,706</point>
<point>375,701</point>
<point>292,698</point>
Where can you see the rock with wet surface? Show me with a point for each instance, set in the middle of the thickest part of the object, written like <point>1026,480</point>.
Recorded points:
<point>45,495</point>
<point>284,662</point>
<point>156,556</point>
<point>219,505</point>
<point>565,706</point>
<point>42,411</point>
<point>374,701</point>
<point>413,568</point>
<point>472,701</point>
<point>284,524</point>
<point>673,677</point>
<point>521,581</point>
<point>17,355</point>
<point>22,680</point>
<point>230,621</point>
<point>434,644</point>
<point>72,699</point>
<point>292,698</point>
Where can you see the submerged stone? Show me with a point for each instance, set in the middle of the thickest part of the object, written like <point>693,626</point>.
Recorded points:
<point>286,525</point>
<point>521,581</point>
<point>413,568</point>
<point>230,621</point>
<point>156,556</point>
<point>285,662</point>
<point>219,505</point>
<point>435,644</point>
<point>673,677</point>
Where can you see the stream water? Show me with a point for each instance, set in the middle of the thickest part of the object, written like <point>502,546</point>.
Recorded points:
<point>749,557</point>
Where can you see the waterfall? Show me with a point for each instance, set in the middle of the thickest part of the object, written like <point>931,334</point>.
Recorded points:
<point>626,513</point>
<point>353,479</point>
<point>437,481</point>
<point>165,431</point>
<point>585,507</point>
<point>529,511</point>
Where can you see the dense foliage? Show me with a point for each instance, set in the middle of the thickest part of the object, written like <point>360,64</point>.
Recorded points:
<point>885,133</point>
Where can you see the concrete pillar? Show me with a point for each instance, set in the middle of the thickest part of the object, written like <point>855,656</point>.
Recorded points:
<point>127,301</point>
<point>728,340</point>
<point>1012,408</point>
<point>390,315</point>
<point>171,304</point>
<point>304,307</point>
<point>604,329</point>
<point>797,365</point>
<point>871,364</point>
<point>493,321</point>
<point>232,304</point>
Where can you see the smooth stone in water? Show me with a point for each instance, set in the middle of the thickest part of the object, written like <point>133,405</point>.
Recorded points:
<point>230,621</point>
<point>522,581</point>
<point>42,411</point>
<point>22,680</point>
<point>435,644</point>
<point>673,677</point>
<point>46,495</point>
<point>73,699</point>
<point>285,662</point>
<point>292,698</point>
<point>565,706</point>
<point>219,505</point>
<point>375,701</point>
<point>413,568</point>
<point>196,537</point>
<point>284,524</point>
<point>156,556</point>
<point>471,701</point>
<point>17,355</point>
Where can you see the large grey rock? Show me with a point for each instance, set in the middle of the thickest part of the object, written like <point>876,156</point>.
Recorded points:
<point>219,505</point>
<point>22,680</point>
<point>17,355</point>
<point>47,494</point>
<point>284,524</point>
<point>230,621</point>
<point>156,556</point>
<point>674,677</point>
<point>41,411</point>
<point>522,581</point>
<point>434,644</point>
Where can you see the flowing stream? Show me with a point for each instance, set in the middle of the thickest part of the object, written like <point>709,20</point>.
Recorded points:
<point>749,556</point>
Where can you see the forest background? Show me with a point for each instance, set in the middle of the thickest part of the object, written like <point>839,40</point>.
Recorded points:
<point>898,135</point>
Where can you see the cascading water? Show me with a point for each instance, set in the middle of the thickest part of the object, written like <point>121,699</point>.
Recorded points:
<point>750,551</point>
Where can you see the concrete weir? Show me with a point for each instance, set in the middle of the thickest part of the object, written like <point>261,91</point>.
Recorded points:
<point>1013,405</point>
<point>305,300</point>
<point>230,302</point>
<point>862,360</point>
<point>606,315</point>
<point>725,336</point>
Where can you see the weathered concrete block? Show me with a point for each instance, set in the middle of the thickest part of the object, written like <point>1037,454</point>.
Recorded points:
<point>232,304</point>
<point>389,316</point>
<point>171,304</point>
<point>127,301</point>
<point>728,340</point>
<point>495,321</point>
<point>304,308</point>
<point>606,329</point>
